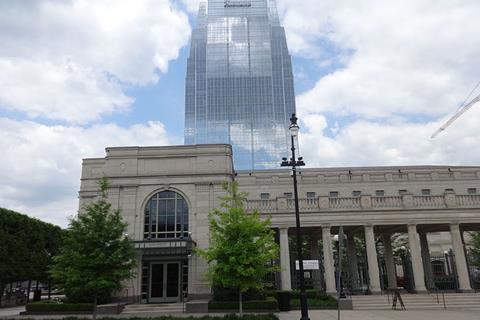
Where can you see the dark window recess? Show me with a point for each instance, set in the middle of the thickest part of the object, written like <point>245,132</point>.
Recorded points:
<point>310,194</point>
<point>265,196</point>
<point>333,194</point>
<point>426,192</point>
<point>402,192</point>
<point>356,193</point>
<point>472,190</point>
<point>288,195</point>
<point>449,190</point>
<point>379,193</point>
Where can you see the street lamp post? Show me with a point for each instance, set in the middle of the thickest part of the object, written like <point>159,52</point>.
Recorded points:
<point>294,163</point>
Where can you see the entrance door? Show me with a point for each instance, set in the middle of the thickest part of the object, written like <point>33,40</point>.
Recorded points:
<point>165,282</point>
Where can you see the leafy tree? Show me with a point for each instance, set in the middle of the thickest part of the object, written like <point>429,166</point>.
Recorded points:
<point>242,245</point>
<point>97,255</point>
<point>474,248</point>
<point>27,247</point>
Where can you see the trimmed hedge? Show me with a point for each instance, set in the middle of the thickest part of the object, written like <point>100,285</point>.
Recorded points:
<point>54,306</point>
<point>311,294</point>
<point>327,302</point>
<point>268,304</point>
<point>221,293</point>
<point>226,317</point>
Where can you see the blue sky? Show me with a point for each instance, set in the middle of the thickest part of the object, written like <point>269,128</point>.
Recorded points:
<point>373,80</point>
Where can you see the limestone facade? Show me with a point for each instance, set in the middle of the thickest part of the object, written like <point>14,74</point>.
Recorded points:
<point>375,202</point>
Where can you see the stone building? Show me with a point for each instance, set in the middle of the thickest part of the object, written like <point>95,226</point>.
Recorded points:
<point>166,193</point>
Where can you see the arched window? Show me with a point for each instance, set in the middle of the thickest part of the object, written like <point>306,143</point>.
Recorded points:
<point>166,216</point>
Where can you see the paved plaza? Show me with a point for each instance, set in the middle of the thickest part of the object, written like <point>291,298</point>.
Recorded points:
<point>385,315</point>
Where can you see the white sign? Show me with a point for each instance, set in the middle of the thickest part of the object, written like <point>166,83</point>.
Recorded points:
<point>307,265</point>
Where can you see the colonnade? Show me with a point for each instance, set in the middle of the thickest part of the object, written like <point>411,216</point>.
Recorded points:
<point>419,252</point>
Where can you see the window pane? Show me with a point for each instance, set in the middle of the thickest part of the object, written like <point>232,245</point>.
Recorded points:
<point>170,223</point>
<point>379,193</point>
<point>426,192</point>
<point>264,196</point>
<point>170,207</point>
<point>310,194</point>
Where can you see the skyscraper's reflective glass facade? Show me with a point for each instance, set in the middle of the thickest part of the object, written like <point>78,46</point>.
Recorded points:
<point>239,84</point>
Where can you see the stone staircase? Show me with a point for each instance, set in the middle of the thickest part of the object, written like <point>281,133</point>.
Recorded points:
<point>153,309</point>
<point>470,301</point>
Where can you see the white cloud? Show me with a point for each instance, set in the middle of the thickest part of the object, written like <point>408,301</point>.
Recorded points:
<point>69,60</point>
<point>40,165</point>
<point>407,65</point>
<point>192,5</point>
<point>404,57</point>
<point>368,143</point>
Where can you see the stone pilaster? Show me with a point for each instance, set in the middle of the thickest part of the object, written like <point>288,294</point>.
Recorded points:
<point>391,272</point>
<point>373,272</point>
<point>285,275</point>
<point>427,265</point>
<point>417,264</point>
<point>328,260</point>
<point>460,259</point>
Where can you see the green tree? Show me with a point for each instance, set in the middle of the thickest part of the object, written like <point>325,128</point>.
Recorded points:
<point>242,245</point>
<point>474,248</point>
<point>27,247</point>
<point>97,255</point>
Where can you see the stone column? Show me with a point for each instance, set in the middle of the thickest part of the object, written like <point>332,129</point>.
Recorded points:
<point>315,254</point>
<point>373,273</point>
<point>460,259</point>
<point>328,260</point>
<point>427,264</point>
<point>285,275</point>
<point>352,261</point>
<point>389,262</point>
<point>417,264</point>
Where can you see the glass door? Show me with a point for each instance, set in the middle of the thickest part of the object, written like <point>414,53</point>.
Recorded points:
<point>165,282</point>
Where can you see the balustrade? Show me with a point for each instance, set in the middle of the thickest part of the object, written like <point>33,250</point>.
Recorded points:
<point>387,202</point>
<point>355,203</point>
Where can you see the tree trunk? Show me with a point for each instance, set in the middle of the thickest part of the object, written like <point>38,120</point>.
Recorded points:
<point>240,303</point>
<point>95,307</point>
<point>28,290</point>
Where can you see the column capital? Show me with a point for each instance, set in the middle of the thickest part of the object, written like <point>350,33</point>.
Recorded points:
<point>283,228</point>
<point>326,226</point>
<point>455,225</point>
<point>368,225</point>
<point>412,224</point>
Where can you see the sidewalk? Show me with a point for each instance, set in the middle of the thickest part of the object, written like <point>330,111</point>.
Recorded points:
<point>384,315</point>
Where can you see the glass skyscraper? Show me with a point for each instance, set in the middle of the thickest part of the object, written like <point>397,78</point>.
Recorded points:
<point>239,84</point>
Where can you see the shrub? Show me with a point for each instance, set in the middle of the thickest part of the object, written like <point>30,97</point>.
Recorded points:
<point>48,306</point>
<point>311,294</point>
<point>269,304</point>
<point>221,293</point>
<point>326,302</point>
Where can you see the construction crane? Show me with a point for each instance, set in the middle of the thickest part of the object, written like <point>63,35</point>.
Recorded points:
<point>461,111</point>
<point>464,108</point>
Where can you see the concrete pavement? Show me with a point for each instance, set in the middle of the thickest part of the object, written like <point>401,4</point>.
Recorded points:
<point>384,315</point>
<point>294,315</point>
